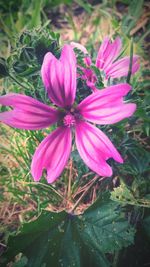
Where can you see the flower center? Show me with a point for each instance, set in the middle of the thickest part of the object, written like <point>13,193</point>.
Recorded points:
<point>69,120</point>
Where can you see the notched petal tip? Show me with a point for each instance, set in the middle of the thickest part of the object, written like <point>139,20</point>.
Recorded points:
<point>131,107</point>
<point>52,155</point>
<point>59,77</point>
<point>95,148</point>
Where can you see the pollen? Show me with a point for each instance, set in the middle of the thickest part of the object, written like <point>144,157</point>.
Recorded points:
<point>69,120</point>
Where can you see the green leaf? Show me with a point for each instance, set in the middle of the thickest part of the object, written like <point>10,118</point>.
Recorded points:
<point>134,9</point>
<point>124,195</point>
<point>106,226</point>
<point>62,239</point>
<point>36,16</point>
<point>129,20</point>
<point>88,7</point>
<point>138,157</point>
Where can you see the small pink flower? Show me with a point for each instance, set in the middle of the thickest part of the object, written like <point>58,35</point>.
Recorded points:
<point>107,61</point>
<point>103,107</point>
<point>88,74</point>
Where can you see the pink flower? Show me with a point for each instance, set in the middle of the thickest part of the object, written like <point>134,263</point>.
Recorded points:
<point>103,107</point>
<point>107,61</point>
<point>88,74</point>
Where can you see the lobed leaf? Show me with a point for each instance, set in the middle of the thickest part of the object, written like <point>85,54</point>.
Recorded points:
<point>62,239</point>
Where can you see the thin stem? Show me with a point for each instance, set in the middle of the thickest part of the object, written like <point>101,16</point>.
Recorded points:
<point>47,186</point>
<point>143,205</point>
<point>69,180</point>
<point>85,192</point>
<point>131,61</point>
<point>71,21</point>
<point>15,80</point>
<point>3,245</point>
<point>116,259</point>
<point>143,36</point>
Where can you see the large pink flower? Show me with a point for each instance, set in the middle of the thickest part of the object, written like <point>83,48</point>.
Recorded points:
<point>107,61</point>
<point>103,107</point>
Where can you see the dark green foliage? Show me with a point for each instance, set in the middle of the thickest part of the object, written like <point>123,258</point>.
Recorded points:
<point>27,57</point>
<point>136,255</point>
<point>3,68</point>
<point>73,240</point>
<point>35,44</point>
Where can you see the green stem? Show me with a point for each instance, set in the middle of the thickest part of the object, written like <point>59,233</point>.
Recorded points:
<point>131,61</point>
<point>143,36</point>
<point>69,181</point>
<point>116,259</point>
<point>47,186</point>
<point>135,204</point>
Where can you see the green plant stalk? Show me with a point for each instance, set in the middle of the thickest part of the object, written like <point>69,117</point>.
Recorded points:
<point>138,203</point>
<point>69,181</point>
<point>143,36</point>
<point>71,21</point>
<point>116,259</point>
<point>47,186</point>
<point>131,61</point>
<point>36,15</point>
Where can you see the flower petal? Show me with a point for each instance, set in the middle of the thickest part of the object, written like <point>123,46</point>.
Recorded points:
<point>100,60</point>
<point>107,106</point>
<point>79,46</point>
<point>59,77</point>
<point>92,86</point>
<point>108,52</point>
<point>28,113</point>
<point>87,59</point>
<point>120,68</point>
<point>95,148</point>
<point>52,154</point>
